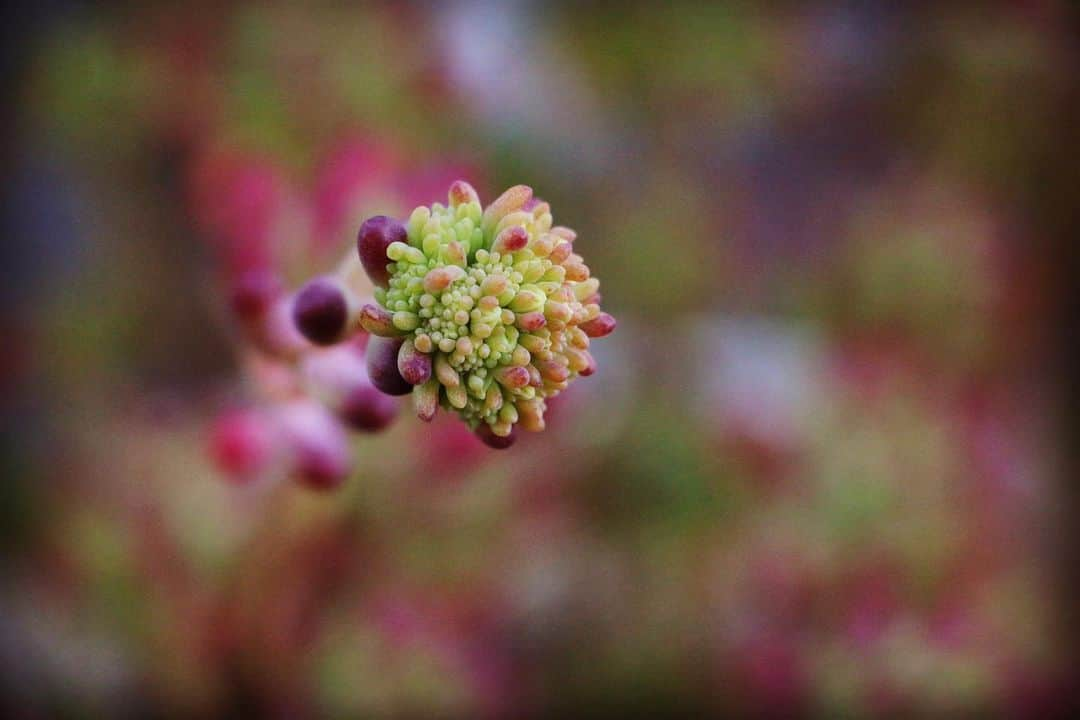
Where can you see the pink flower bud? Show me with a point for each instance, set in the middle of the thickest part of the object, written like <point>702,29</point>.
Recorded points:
<point>317,444</point>
<point>241,445</point>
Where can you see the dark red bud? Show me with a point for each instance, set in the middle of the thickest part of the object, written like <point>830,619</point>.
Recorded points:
<point>368,410</point>
<point>382,365</point>
<point>496,442</point>
<point>374,237</point>
<point>321,311</point>
<point>319,469</point>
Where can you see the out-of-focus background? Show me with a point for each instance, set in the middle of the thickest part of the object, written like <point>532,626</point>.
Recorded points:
<point>818,471</point>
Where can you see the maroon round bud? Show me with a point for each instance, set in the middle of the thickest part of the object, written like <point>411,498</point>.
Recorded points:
<point>374,237</point>
<point>320,469</point>
<point>253,293</point>
<point>368,410</point>
<point>497,442</point>
<point>321,311</point>
<point>599,326</point>
<point>382,365</point>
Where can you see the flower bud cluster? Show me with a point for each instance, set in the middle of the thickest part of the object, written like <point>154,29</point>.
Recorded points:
<point>490,311</point>
<point>307,387</point>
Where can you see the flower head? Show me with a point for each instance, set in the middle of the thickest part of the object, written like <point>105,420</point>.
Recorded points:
<point>489,312</point>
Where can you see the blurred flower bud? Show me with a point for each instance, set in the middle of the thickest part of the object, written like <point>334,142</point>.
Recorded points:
<point>368,410</point>
<point>323,310</point>
<point>253,293</point>
<point>241,444</point>
<point>316,444</point>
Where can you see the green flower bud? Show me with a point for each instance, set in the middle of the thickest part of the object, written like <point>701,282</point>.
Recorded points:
<point>491,300</point>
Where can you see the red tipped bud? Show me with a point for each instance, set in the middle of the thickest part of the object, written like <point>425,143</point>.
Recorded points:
<point>441,278</point>
<point>512,376</point>
<point>254,293</point>
<point>510,240</point>
<point>378,321</point>
<point>553,371</point>
<point>414,366</point>
<point>560,252</point>
<point>462,193</point>
<point>496,442</point>
<point>530,321</point>
<point>590,368</point>
<point>599,326</point>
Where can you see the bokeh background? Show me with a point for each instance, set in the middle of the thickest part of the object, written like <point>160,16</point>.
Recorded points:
<point>819,472</point>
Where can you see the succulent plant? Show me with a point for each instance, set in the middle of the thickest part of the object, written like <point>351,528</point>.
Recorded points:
<point>486,312</point>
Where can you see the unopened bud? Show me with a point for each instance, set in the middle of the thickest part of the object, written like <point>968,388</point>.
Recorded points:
<point>530,321</point>
<point>322,310</point>
<point>368,410</point>
<point>382,366</point>
<point>414,366</point>
<point>374,238</point>
<point>426,399</point>
<point>510,240</point>
<point>560,252</point>
<point>603,324</point>
<point>512,376</point>
<point>462,193</point>
<point>494,441</point>
<point>440,278</point>
<point>378,321</point>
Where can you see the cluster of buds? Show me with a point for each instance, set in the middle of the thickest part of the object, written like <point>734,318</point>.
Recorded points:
<point>308,397</point>
<point>484,312</point>
<point>312,397</point>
